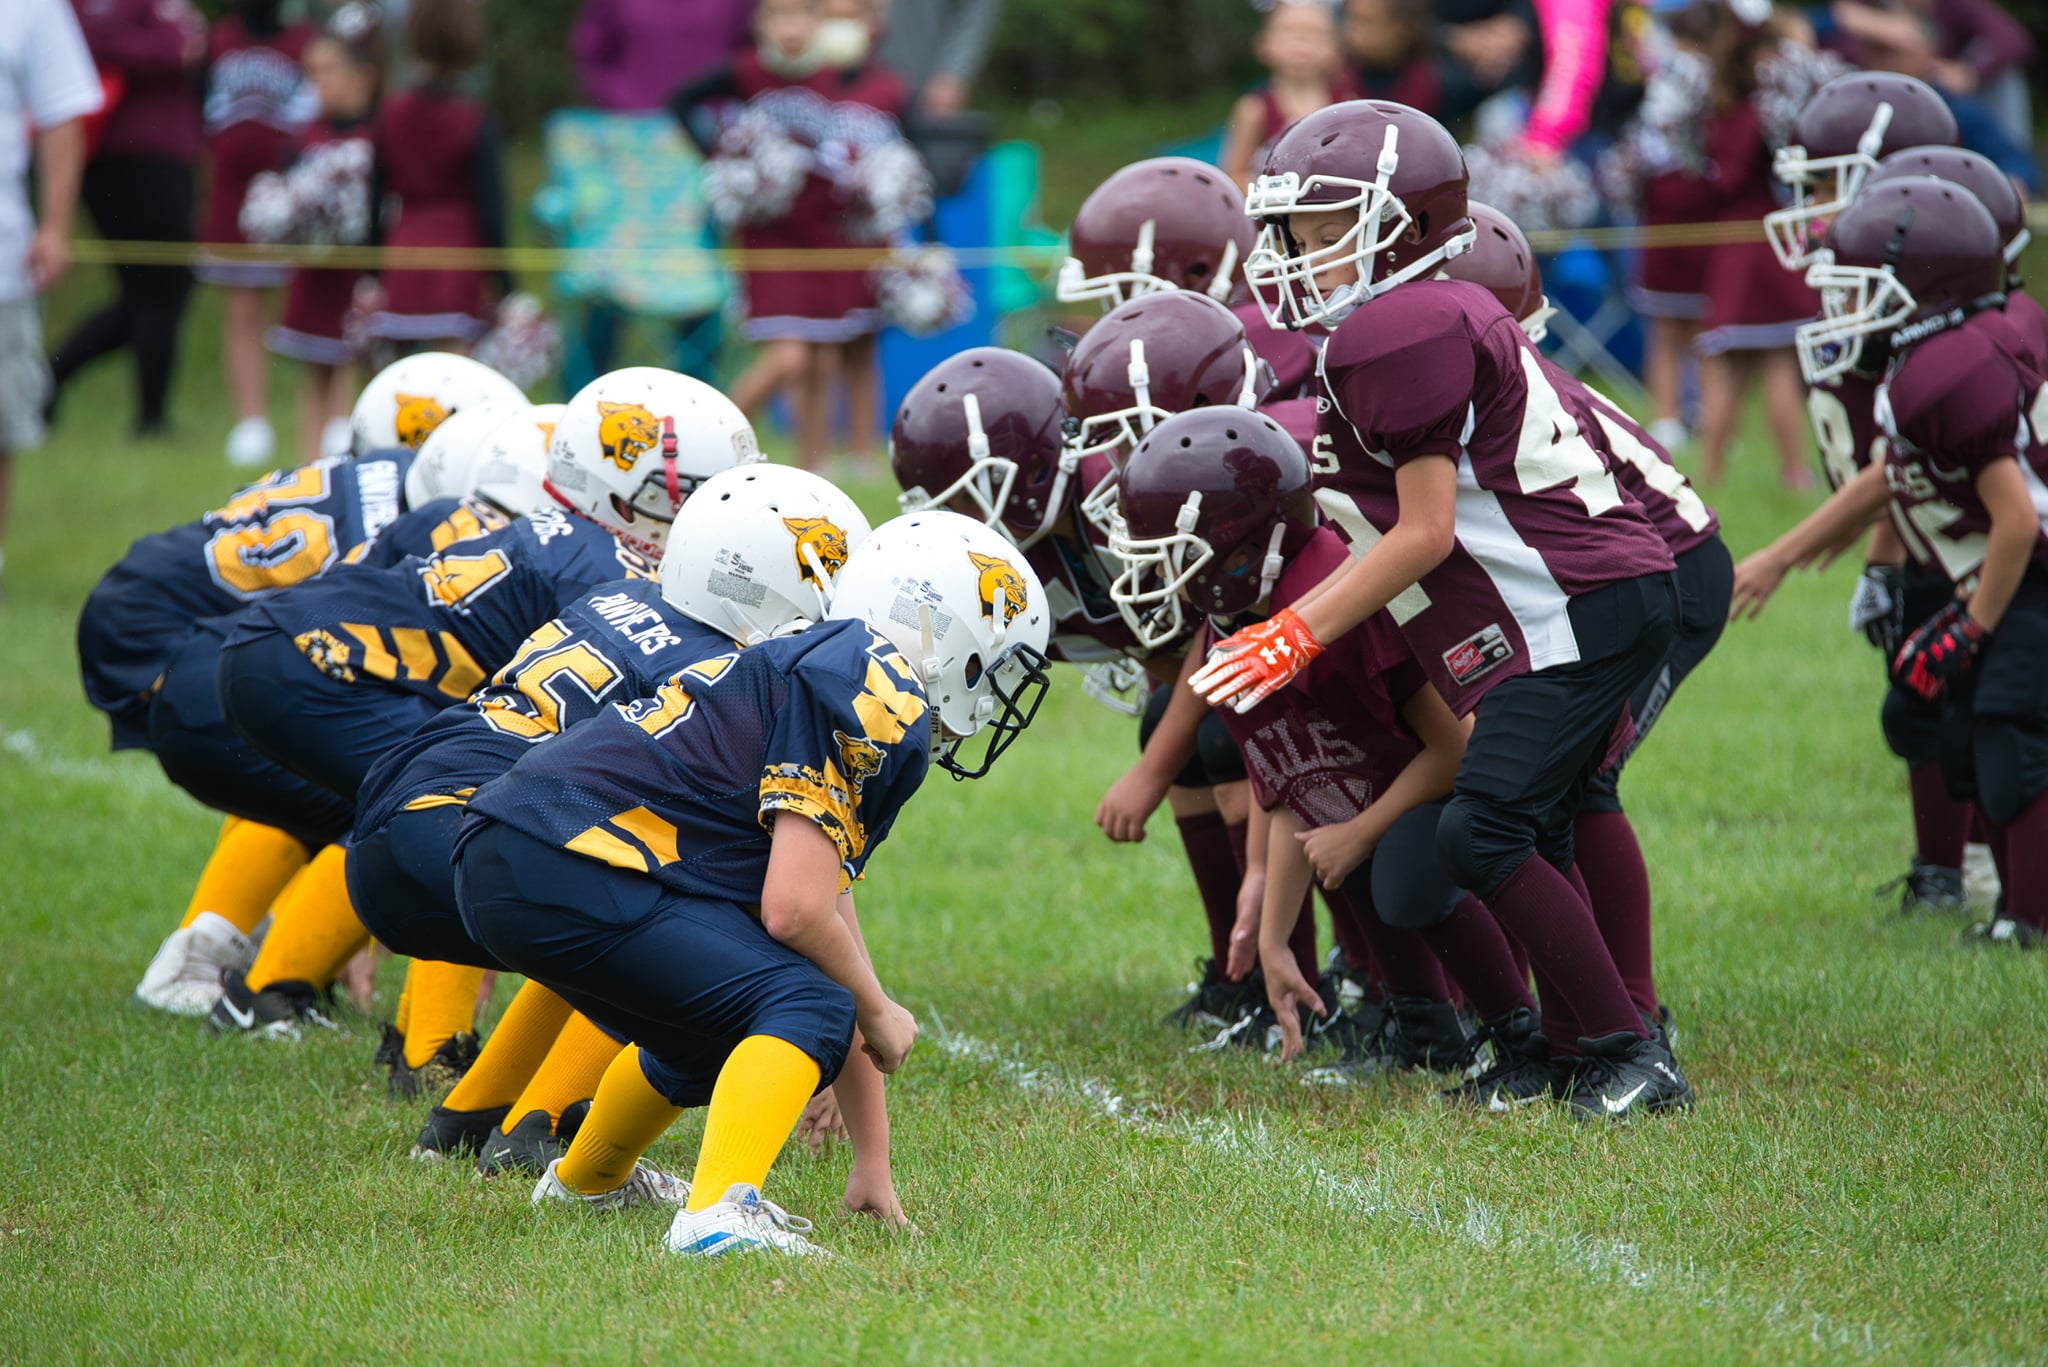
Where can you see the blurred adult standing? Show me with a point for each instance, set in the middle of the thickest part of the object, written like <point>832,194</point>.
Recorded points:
<point>938,47</point>
<point>630,54</point>
<point>46,79</point>
<point>138,186</point>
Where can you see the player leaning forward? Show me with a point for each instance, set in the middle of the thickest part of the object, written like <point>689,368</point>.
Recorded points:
<point>1481,516</point>
<point>680,868</point>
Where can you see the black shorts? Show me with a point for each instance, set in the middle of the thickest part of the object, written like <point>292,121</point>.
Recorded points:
<point>1994,719</point>
<point>213,762</point>
<point>401,880</point>
<point>1404,883</point>
<point>1706,582</point>
<point>1216,758</point>
<point>1912,724</point>
<point>1538,739</point>
<point>685,978</point>
<point>329,731</point>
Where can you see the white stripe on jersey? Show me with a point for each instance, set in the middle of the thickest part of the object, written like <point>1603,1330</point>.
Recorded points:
<point>1342,509</point>
<point>1517,570</point>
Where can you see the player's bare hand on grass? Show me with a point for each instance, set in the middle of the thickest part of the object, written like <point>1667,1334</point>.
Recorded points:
<point>1756,578</point>
<point>887,1035</point>
<point>1335,851</point>
<point>1288,991</point>
<point>873,1194</point>
<point>821,1123</point>
<point>1128,804</point>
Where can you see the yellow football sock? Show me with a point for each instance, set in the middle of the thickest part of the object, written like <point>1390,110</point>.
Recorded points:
<point>314,931</point>
<point>250,865</point>
<point>760,1095</point>
<point>441,1005</point>
<point>512,1053</point>
<point>571,1071</point>
<point>402,1017</point>
<point>626,1116</point>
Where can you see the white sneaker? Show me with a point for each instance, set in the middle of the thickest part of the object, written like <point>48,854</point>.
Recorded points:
<point>251,443</point>
<point>1669,433</point>
<point>646,1186</point>
<point>336,438</point>
<point>740,1223</point>
<point>184,977</point>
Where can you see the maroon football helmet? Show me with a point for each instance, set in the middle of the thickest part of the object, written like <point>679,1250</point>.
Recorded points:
<point>1835,144</point>
<point>1909,258</point>
<point>980,434</point>
<point>1397,168</point>
<point>1502,263</point>
<point>1165,223</point>
<point>1993,188</point>
<point>1209,507</point>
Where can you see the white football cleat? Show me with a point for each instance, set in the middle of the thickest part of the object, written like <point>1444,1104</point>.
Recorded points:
<point>251,443</point>
<point>646,1186</point>
<point>184,977</point>
<point>741,1222</point>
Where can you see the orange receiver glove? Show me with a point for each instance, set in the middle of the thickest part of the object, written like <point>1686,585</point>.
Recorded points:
<point>1247,667</point>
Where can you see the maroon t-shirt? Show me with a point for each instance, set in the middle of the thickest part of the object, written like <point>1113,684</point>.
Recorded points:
<point>1330,742</point>
<point>1954,404</point>
<point>1439,368</point>
<point>1641,466</point>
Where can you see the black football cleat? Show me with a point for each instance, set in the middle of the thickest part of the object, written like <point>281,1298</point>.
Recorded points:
<point>1215,1002</point>
<point>1622,1075</point>
<point>277,1012</point>
<point>456,1134</point>
<point>1414,1033</point>
<point>1355,1018</point>
<point>390,1055</point>
<point>1522,1072</point>
<point>571,1121</point>
<point>1928,888</point>
<point>527,1148</point>
<point>2006,932</point>
<point>439,1074</point>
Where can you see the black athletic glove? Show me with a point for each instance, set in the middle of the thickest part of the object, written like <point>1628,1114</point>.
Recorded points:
<point>1938,652</point>
<point>1878,607</point>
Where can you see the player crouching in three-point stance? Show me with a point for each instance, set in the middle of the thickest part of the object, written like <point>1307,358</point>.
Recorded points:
<point>1470,494</point>
<point>679,869</point>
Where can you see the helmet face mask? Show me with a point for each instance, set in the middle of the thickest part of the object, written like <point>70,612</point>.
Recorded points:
<point>1856,303</point>
<point>981,435</point>
<point>1156,572</point>
<point>1821,188</point>
<point>1012,690</point>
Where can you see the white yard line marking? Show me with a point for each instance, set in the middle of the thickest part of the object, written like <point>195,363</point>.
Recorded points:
<point>1477,1224</point>
<point>29,749</point>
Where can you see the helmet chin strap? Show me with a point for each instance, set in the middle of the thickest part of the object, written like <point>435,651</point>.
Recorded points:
<point>1248,397</point>
<point>1140,376</point>
<point>1269,573</point>
<point>1872,141</point>
<point>1141,250</point>
<point>668,462</point>
<point>746,633</point>
<point>821,581</point>
<point>1219,288</point>
<point>1369,226</point>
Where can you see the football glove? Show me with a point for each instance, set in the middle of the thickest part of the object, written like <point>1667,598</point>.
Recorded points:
<point>1251,665</point>
<point>1939,652</point>
<point>1878,607</point>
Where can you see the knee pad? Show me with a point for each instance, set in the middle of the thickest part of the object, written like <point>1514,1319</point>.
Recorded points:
<point>1603,792</point>
<point>1217,753</point>
<point>1912,726</point>
<point>1155,709</point>
<point>1410,888</point>
<point>1474,850</point>
<point>2011,763</point>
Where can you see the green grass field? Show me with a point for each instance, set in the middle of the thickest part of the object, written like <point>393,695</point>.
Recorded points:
<point>1864,1176</point>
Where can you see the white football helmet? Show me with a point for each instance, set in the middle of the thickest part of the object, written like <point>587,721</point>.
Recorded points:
<point>632,445</point>
<point>755,550</point>
<point>408,399</point>
<point>965,608</point>
<point>447,463</point>
<point>512,462</point>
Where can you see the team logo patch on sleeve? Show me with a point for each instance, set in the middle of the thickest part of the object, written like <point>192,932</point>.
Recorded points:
<point>328,653</point>
<point>860,759</point>
<point>418,416</point>
<point>823,538</point>
<point>625,431</point>
<point>999,576</point>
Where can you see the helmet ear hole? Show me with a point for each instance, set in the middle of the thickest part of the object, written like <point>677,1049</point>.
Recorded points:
<point>973,674</point>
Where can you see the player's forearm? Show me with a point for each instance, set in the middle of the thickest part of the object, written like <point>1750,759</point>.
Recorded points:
<point>1288,876</point>
<point>1172,743</point>
<point>864,1105</point>
<point>2009,549</point>
<point>816,931</point>
<point>1372,581</point>
<point>1845,514</point>
<point>1258,831</point>
<point>60,164</point>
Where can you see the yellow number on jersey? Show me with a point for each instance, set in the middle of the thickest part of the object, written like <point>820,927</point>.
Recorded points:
<point>466,521</point>
<point>452,580</point>
<point>253,558</point>
<point>539,671</point>
<point>672,704</point>
<point>887,709</point>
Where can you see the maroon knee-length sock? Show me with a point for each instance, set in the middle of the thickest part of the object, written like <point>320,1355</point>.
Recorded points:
<point>2026,858</point>
<point>1216,864</point>
<point>1610,865</point>
<point>1941,825</point>
<point>1475,953</point>
<point>1540,907</point>
<point>1406,964</point>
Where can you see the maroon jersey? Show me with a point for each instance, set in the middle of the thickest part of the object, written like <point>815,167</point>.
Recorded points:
<point>1641,466</point>
<point>1439,368</point>
<point>2030,319</point>
<point>1844,418</point>
<point>1953,405</point>
<point>1076,568</point>
<point>1297,418</point>
<point>1330,742</point>
<point>1291,355</point>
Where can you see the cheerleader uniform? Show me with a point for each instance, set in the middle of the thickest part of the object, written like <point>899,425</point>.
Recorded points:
<point>811,305</point>
<point>318,299</point>
<point>438,184</point>
<point>1753,303</point>
<point>256,103</point>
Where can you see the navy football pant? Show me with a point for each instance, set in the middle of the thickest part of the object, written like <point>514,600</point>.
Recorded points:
<point>213,762</point>
<point>401,881</point>
<point>329,731</point>
<point>685,978</point>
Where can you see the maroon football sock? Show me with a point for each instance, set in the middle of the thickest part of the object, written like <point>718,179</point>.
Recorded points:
<point>1540,907</point>
<point>1303,940</point>
<point>1215,859</point>
<point>1555,1017</point>
<point>1475,953</point>
<point>1941,825</point>
<point>1344,929</point>
<point>1407,965</point>
<point>1610,866</point>
<point>1995,841</point>
<point>2026,855</point>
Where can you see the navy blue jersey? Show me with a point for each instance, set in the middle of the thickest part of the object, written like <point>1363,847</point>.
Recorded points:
<point>683,786</point>
<point>439,626</point>
<point>620,642</point>
<point>428,530</point>
<point>289,527</point>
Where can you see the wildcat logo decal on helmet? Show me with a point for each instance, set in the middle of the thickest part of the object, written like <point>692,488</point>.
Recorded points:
<point>418,416</point>
<point>625,431</point>
<point>824,538</point>
<point>547,433</point>
<point>1000,576</point>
